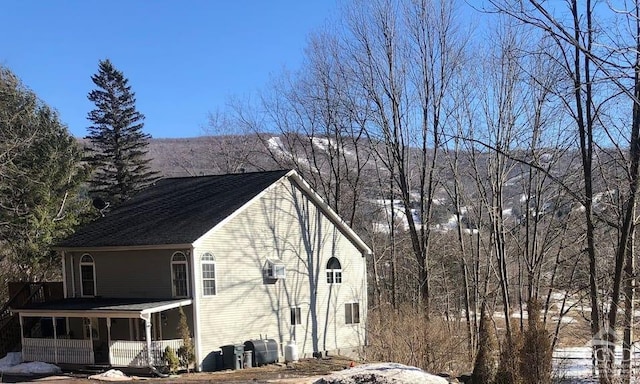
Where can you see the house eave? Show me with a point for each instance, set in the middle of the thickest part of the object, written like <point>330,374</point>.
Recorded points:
<point>116,248</point>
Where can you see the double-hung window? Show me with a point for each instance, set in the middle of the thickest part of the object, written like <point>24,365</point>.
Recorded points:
<point>179,275</point>
<point>352,313</point>
<point>296,316</point>
<point>87,276</point>
<point>208,274</point>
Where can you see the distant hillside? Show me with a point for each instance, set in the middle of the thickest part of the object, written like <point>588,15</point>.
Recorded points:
<point>208,155</point>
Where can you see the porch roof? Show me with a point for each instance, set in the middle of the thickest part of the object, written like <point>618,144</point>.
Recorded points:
<point>101,307</point>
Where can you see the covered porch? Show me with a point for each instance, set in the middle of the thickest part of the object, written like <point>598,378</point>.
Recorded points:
<point>100,331</point>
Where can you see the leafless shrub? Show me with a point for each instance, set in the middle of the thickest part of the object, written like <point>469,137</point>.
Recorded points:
<point>535,352</point>
<point>406,336</point>
<point>486,364</point>
<point>508,369</point>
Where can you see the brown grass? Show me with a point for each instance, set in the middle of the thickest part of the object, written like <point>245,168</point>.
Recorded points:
<point>406,336</point>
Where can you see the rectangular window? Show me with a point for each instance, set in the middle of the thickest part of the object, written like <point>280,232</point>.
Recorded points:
<point>352,313</point>
<point>46,327</point>
<point>180,280</point>
<point>91,328</point>
<point>208,279</point>
<point>296,317</point>
<point>88,283</point>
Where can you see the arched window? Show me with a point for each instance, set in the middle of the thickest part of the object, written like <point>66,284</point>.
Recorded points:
<point>87,276</point>
<point>179,275</point>
<point>208,274</point>
<point>334,271</point>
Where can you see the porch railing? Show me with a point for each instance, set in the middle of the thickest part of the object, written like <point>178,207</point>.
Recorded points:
<point>124,353</point>
<point>56,351</point>
<point>22,293</point>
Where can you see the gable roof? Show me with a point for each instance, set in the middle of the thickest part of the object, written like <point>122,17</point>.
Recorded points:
<point>172,211</point>
<point>179,211</point>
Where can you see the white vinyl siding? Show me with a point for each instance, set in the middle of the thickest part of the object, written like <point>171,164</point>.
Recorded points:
<point>273,228</point>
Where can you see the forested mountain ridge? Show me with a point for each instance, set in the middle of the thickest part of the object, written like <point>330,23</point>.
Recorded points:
<point>463,220</point>
<point>206,155</point>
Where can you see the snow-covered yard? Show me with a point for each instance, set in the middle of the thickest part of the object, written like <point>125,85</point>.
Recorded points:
<point>573,364</point>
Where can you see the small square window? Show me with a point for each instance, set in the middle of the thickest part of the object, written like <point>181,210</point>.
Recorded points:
<point>296,316</point>
<point>275,270</point>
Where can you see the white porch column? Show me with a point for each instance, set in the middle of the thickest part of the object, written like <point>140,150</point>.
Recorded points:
<point>73,277</point>
<point>21,332</point>
<point>109,338</point>
<point>195,306</point>
<point>64,274</point>
<point>55,340</point>
<point>147,328</point>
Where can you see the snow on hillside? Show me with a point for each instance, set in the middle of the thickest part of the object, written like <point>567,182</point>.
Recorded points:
<point>326,144</point>
<point>400,217</point>
<point>277,147</point>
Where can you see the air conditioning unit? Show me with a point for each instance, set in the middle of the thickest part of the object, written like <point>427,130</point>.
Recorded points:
<point>276,270</point>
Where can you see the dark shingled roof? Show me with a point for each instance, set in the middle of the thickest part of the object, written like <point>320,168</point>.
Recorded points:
<point>173,211</point>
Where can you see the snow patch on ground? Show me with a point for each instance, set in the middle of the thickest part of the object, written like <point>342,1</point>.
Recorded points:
<point>518,315</point>
<point>382,373</point>
<point>12,364</point>
<point>12,358</point>
<point>564,319</point>
<point>111,375</point>
<point>573,363</point>
<point>33,368</point>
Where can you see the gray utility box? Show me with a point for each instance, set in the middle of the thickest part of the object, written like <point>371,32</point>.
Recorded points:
<point>232,356</point>
<point>265,351</point>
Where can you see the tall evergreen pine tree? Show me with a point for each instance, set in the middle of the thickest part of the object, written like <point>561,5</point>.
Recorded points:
<point>118,151</point>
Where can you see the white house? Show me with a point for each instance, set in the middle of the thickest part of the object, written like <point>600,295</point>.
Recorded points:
<point>246,256</point>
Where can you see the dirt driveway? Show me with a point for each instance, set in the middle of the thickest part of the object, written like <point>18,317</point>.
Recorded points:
<point>304,372</point>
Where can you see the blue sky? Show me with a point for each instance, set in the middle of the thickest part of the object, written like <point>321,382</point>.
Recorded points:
<point>183,59</point>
